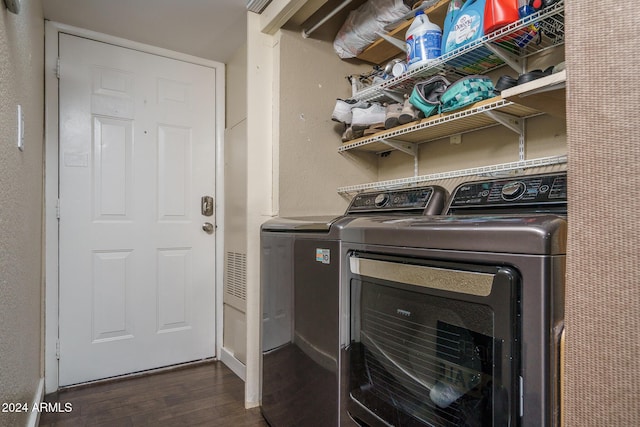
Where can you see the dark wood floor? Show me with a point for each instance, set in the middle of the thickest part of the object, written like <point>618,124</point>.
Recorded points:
<point>206,394</point>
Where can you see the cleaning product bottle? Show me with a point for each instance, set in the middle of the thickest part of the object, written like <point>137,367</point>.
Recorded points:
<point>466,27</point>
<point>449,20</point>
<point>424,40</point>
<point>499,13</point>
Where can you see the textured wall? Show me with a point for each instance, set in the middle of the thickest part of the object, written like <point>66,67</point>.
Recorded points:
<point>21,194</point>
<point>603,290</point>
<point>310,168</point>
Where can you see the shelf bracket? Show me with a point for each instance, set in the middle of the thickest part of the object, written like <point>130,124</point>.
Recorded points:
<point>399,44</point>
<point>517,64</point>
<point>516,124</point>
<point>521,143</point>
<point>409,148</point>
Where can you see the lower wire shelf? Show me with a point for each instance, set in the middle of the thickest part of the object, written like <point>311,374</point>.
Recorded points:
<point>480,170</point>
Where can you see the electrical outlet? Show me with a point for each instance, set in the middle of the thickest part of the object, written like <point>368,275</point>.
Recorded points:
<point>20,128</point>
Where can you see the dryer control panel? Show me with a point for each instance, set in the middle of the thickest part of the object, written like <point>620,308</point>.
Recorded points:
<point>422,201</point>
<point>532,193</point>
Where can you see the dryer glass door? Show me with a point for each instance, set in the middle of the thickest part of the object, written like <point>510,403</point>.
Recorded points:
<point>432,343</point>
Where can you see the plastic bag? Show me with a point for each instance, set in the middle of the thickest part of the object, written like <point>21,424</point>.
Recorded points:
<point>363,26</point>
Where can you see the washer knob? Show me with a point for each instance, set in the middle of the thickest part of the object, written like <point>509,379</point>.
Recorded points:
<point>381,199</point>
<point>513,190</point>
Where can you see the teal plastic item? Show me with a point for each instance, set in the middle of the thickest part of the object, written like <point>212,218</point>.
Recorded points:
<point>426,94</point>
<point>466,91</point>
<point>463,25</point>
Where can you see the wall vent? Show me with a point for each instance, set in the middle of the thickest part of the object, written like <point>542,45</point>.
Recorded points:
<point>236,275</point>
<point>257,6</point>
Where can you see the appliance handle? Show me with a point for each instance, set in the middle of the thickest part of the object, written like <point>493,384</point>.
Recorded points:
<point>466,282</point>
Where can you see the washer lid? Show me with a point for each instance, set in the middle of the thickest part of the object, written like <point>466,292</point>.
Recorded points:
<point>318,224</point>
<point>535,234</point>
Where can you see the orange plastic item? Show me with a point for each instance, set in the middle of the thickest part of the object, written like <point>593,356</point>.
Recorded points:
<point>499,13</point>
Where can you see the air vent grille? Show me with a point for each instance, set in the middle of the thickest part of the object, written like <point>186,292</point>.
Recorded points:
<point>236,275</point>
<point>257,6</point>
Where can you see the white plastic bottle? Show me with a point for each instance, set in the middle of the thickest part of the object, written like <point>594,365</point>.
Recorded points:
<point>424,40</point>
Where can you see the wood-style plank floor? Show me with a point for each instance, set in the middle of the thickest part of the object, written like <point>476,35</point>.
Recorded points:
<point>207,394</point>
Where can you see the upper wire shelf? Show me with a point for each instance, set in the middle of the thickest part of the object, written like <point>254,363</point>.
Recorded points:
<point>491,51</point>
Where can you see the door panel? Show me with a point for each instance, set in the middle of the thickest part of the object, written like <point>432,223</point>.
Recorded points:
<point>113,168</point>
<point>137,151</point>
<point>174,164</point>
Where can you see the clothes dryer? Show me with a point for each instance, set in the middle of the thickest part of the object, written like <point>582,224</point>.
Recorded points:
<point>455,320</point>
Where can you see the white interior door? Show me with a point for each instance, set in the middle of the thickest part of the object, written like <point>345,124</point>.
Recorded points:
<point>137,153</point>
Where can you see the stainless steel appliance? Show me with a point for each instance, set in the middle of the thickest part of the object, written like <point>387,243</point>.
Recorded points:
<point>454,320</point>
<point>300,280</point>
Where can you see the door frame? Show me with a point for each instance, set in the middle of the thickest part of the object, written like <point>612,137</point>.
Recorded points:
<point>51,131</point>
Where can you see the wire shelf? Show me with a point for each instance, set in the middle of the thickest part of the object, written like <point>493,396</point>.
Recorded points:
<point>481,170</point>
<point>442,125</point>
<point>510,44</point>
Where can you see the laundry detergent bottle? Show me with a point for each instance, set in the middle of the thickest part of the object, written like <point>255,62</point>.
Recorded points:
<point>424,40</point>
<point>499,13</point>
<point>466,25</point>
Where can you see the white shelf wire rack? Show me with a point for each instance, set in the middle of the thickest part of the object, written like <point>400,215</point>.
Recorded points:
<point>475,171</point>
<point>504,46</point>
<point>473,118</point>
<point>492,51</point>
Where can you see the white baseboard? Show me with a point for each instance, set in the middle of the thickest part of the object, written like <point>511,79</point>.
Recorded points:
<point>34,416</point>
<point>234,364</point>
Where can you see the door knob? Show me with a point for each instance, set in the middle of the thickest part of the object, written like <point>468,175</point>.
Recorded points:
<point>208,227</point>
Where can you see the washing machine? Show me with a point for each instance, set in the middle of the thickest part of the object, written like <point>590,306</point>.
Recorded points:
<point>455,320</point>
<point>301,269</point>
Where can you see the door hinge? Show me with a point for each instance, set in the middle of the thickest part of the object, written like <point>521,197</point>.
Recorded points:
<point>58,68</point>
<point>58,209</point>
<point>58,349</point>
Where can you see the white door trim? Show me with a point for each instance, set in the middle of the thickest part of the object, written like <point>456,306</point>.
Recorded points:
<point>52,29</point>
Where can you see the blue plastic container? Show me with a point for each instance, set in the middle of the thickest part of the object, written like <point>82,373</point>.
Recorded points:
<point>463,25</point>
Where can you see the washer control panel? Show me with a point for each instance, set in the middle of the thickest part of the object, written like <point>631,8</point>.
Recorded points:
<point>502,194</point>
<point>423,200</point>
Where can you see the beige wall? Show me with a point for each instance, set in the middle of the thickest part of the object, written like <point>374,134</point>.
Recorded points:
<point>236,88</point>
<point>261,92</point>
<point>235,234</point>
<point>21,201</point>
<point>544,136</point>
<point>311,78</point>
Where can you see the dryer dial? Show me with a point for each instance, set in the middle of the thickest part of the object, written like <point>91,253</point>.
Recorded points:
<point>513,190</point>
<point>381,199</point>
